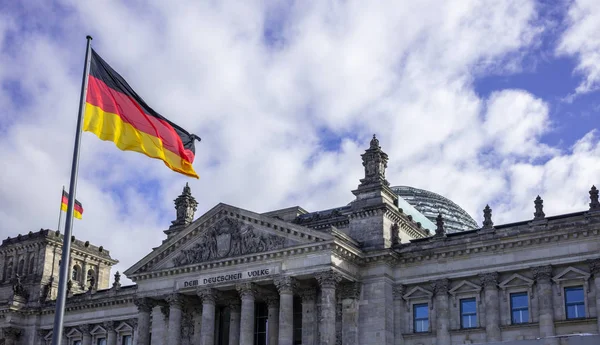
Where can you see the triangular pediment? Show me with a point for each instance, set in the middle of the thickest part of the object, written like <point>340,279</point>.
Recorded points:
<point>418,293</point>
<point>515,280</point>
<point>571,273</point>
<point>226,232</point>
<point>464,286</point>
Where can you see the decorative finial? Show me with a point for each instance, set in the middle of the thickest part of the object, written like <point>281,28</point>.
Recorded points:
<point>439,221</point>
<point>539,209</point>
<point>375,163</point>
<point>487,217</point>
<point>117,283</point>
<point>594,204</point>
<point>186,205</point>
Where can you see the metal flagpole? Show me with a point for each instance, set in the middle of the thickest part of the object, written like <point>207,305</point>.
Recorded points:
<point>63,274</point>
<point>60,211</point>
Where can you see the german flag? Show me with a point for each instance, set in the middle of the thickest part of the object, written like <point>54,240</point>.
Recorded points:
<point>77,211</point>
<point>114,112</point>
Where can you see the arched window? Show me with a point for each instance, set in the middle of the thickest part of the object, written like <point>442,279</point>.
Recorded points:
<point>31,264</point>
<point>91,278</point>
<point>75,273</point>
<point>9,271</point>
<point>21,267</point>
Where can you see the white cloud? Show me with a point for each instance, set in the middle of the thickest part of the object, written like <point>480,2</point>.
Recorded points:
<point>351,69</point>
<point>581,40</point>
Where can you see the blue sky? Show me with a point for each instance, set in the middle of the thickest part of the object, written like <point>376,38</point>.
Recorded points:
<point>484,102</point>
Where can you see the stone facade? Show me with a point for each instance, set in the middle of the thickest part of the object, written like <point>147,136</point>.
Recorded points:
<point>364,273</point>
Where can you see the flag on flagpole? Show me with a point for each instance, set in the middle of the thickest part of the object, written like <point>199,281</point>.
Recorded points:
<point>115,112</point>
<point>77,211</point>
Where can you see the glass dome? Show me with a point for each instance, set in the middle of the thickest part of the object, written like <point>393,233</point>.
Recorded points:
<point>431,204</point>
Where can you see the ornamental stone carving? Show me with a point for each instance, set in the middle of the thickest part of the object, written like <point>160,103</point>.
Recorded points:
<point>539,209</point>
<point>207,295</point>
<point>175,300</point>
<point>246,290</point>
<point>594,265</point>
<point>185,205</point>
<point>308,295</point>
<point>229,237</point>
<point>144,304</point>
<point>440,286</point>
<point>398,291</point>
<point>487,217</point>
<point>489,279</point>
<point>350,290</point>
<point>328,279</point>
<point>272,301</point>
<point>285,284</point>
<point>594,203</point>
<point>375,163</point>
<point>85,329</point>
<point>234,305</point>
<point>542,273</point>
<point>109,326</point>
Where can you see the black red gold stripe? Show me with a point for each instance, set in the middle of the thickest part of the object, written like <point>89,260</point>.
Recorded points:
<point>77,210</point>
<point>115,112</point>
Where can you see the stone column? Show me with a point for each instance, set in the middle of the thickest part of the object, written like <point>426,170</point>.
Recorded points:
<point>247,293</point>
<point>144,306</point>
<point>442,325</point>
<point>174,331</point>
<point>86,336</point>
<point>234,323</point>
<point>327,282</point>
<point>160,313</point>
<point>398,312</point>
<point>285,285</point>
<point>273,331</point>
<point>595,270</point>
<point>309,319</point>
<point>489,281</point>
<point>197,316</point>
<point>111,334</point>
<point>350,295</point>
<point>207,333</point>
<point>542,276</point>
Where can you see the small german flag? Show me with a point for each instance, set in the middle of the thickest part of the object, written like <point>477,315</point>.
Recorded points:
<point>115,112</point>
<point>77,211</point>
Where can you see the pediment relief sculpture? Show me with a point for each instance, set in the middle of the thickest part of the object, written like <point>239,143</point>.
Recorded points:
<point>227,238</point>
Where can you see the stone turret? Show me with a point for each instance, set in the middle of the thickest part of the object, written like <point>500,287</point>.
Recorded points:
<point>186,206</point>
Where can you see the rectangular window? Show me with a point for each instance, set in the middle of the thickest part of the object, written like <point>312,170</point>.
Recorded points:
<point>101,341</point>
<point>297,321</point>
<point>574,302</point>
<point>126,340</point>
<point>421,317</point>
<point>468,313</point>
<point>519,307</point>
<point>261,316</point>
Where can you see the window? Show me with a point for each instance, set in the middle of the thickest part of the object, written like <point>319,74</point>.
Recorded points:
<point>574,302</point>
<point>76,342</point>
<point>261,315</point>
<point>9,271</point>
<point>31,264</point>
<point>421,317</point>
<point>101,341</point>
<point>519,307</point>
<point>21,267</point>
<point>126,340</point>
<point>297,321</point>
<point>75,273</point>
<point>468,313</point>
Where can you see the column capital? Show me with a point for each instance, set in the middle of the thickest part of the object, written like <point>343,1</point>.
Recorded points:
<point>542,273</point>
<point>144,304</point>
<point>109,326</point>
<point>273,301</point>
<point>85,329</point>
<point>246,290</point>
<point>234,304</point>
<point>165,310</point>
<point>440,286</point>
<point>175,300</point>
<point>308,295</point>
<point>594,265</point>
<point>398,291</point>
<point>285,284</point>
<point>207,295</point>
<point>350,290</point>
<point>489,279</point>
<point>328,279</point>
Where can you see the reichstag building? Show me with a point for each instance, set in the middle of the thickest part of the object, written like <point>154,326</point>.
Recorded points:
<point>397,265</point>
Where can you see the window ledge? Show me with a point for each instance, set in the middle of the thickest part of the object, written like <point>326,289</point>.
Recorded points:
<point>571,321</point>
<point>520,325</point>
<point>467,330</point>
<point>418,334</point>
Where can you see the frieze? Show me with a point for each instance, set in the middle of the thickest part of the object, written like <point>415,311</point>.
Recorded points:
<point>229,237</point>
<point>228,277</point>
